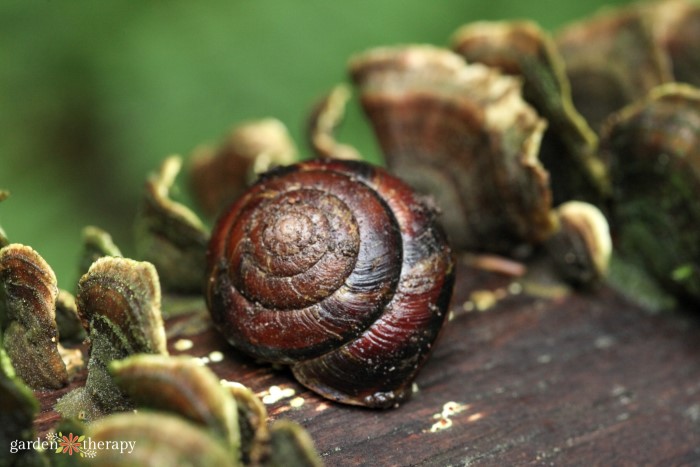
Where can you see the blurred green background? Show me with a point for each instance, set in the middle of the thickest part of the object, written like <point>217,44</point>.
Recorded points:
<point>95,93</point>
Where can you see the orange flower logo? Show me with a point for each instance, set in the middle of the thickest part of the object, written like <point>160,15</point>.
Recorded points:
<point>70,444</point>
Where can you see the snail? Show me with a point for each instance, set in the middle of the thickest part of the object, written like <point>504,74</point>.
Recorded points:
<point>338,269</point>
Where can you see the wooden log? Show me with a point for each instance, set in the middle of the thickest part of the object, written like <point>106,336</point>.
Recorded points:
<point>582,378</point>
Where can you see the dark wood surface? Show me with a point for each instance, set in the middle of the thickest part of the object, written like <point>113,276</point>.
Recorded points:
<point>537,378</point>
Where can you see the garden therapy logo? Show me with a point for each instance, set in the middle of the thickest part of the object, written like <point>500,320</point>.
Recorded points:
<point>72,445</point>
<point>69,444</point>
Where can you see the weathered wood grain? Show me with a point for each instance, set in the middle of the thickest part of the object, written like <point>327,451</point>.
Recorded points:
<point>574,379</point>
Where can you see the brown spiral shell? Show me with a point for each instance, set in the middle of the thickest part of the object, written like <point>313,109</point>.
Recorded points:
<point>338,269</point>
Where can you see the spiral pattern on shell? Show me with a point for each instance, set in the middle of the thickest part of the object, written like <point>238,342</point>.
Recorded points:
<point>338,269</point>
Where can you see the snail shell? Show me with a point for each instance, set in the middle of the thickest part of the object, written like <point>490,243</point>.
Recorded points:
<point>338,269</point>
